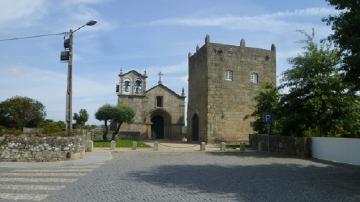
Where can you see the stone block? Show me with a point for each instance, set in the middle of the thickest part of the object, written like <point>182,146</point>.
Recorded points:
<point>202,146</point>
<point>112,145</point>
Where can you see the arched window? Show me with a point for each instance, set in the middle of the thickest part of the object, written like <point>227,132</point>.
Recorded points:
<point>138,86</point>
<point>254,78</point>
<point>229,75</point>
<point>127,86</point>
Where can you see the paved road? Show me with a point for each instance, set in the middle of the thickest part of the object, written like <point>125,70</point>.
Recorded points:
<point>36,181</point>
<point>198,176</point>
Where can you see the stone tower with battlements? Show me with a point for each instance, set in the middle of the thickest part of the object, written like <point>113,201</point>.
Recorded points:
<point>223,82</point>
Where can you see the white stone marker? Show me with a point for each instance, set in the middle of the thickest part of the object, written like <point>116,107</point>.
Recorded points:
<point>222,146</point>
<point>90,146</point>
<point>156,146</point>
<point>202,146</point>
<point>134,145</point>
<point>112,145</point>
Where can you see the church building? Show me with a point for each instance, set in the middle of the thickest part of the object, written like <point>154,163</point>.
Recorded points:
<point>159,111</point>
<point>223,82</point>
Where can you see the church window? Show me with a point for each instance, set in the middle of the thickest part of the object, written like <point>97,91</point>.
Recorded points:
<point>127,86</point>
<point>138,86</point>
<point>229,75</point>
<point>254,78</point>
<point>159,101</point>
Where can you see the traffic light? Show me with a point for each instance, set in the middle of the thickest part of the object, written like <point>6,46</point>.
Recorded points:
<point>65,55</point>
<point>67,43</point>
<point>117,88</point>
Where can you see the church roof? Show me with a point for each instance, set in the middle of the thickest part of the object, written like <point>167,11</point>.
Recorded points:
<point>167,89</point>
<point>134,72</point>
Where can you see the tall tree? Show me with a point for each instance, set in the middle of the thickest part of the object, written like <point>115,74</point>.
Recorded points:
<point>105,113</point>
<point>19,112</point>
<point>81,118</point>
<point>347,36</point>
<point>318,101</point>
<point>122,114</point>
<point>267,102</point>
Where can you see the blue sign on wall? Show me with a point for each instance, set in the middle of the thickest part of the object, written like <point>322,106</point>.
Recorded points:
<point>268,119</point>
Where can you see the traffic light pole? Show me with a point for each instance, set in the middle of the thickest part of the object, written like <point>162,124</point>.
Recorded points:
<point>68,116</point>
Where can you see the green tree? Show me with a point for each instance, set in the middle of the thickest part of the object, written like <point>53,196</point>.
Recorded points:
<point>81,118</point>
<point>317,102</point>
<point>19,112</point>
<point>105,113</point>
<point>267,102</point>
<point>347,36</point>
<point>122,114</point>
<point>51,126</point>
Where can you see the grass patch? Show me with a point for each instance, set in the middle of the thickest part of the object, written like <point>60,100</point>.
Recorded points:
<point>119,143</point>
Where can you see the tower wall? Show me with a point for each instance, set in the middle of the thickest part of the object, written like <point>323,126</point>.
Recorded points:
<point>198,88</point>
<point>225,102</point>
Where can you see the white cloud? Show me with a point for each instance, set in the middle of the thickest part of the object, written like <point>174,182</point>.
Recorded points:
<point>49,87</point>
<point>274,22</point>
<point>21,12</point>
<point>83,14</point>
<point>170,69</point>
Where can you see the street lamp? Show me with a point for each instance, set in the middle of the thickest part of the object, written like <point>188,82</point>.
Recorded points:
<point>67,55</point>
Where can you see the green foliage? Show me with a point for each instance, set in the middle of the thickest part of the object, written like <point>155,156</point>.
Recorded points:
<point>9,131</point>
<point>317,102</point>
<point>50,126</point>
<point>105,113</point>
<point>19,112</point>
<point>347,36</point>
<point>122,114</point>
<point>81,118</point>
<point>119,143</point>
<point>117,114</point>
<point>267,102</point>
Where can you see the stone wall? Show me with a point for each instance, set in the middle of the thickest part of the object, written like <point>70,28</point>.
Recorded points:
<point>296,146</point>
<point>223,104</point>
<point>28,148</point>
<point>197,93</point>
<point>173,111</point>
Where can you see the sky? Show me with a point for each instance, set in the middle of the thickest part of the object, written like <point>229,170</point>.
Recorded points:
<point>155,36</point>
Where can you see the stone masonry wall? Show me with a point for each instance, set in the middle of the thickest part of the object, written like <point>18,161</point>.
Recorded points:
<point>296,146</point>
<point>222,105</point>
<point>197,94</point>
<point>230,101</point>
<point>144,106</point>
<point>27,148</point>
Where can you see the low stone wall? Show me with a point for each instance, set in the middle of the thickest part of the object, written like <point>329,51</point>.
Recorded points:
<point>296,146</point>
<point>29,148</point>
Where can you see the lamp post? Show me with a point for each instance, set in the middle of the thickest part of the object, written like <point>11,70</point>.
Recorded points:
<point>68,56</point>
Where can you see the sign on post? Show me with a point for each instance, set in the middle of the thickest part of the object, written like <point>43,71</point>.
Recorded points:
<point>268,119</point>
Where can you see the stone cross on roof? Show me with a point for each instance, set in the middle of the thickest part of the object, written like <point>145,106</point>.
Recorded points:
<point>160,74</point>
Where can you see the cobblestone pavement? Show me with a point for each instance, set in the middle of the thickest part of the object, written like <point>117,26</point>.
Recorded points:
<point>213,176</point>
<point>27,181</point>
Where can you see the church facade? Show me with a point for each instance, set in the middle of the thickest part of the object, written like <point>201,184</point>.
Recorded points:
<point>159,111</point>
<point>223,82</point>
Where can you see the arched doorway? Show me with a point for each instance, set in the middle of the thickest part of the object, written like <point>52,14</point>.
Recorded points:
<point>195,128</point>
<point>157,127</point>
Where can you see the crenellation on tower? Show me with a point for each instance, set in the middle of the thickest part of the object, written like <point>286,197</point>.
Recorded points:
<point>207,39</point>
<point>242,43</point>
<point>273,48</point>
